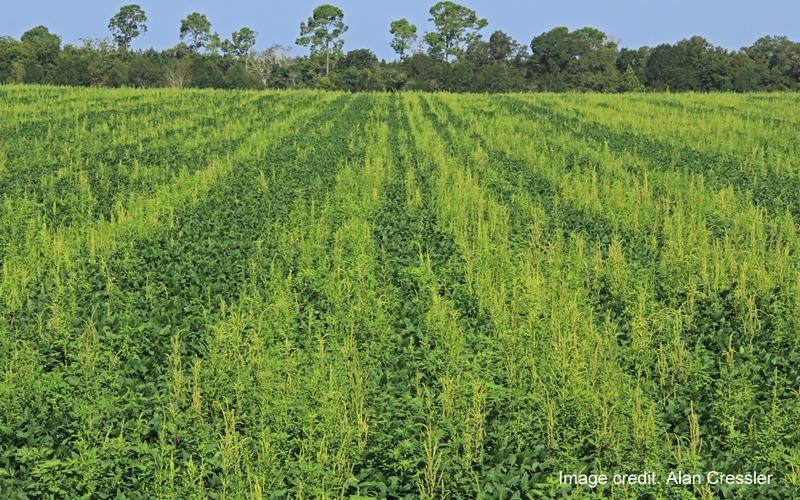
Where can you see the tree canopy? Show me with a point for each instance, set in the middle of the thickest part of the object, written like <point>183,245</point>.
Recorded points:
<point>452,56</point>
<point>323,31</point>
<point>127,24</point>
<point>457,27</point>
<point>405,35</point>
<point>241,43</point>
<point>196,31</point>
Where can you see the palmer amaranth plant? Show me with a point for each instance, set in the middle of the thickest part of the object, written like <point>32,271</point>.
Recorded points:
<point>212,294</point>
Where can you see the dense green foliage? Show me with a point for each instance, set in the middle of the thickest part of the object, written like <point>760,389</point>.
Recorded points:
<point>453,56</point>
<point>306,294</point>
<point>127,24</point>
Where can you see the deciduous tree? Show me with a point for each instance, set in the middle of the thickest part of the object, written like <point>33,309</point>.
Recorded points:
<point>584,59</point>
<point>40,51</point>
<point>502,47</point>
<point>10,53</point>
<point>127,24</point>
<point>457,27</point>
<point>782,58</point>
<point>263,64</point>
<point>404,36</point>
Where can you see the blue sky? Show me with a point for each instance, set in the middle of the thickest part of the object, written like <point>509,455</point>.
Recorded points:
<point>731,24</point>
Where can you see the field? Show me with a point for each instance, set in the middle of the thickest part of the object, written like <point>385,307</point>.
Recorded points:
<point>211,294</point>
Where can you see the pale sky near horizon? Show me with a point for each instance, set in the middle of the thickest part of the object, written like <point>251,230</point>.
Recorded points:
<point>731,24</point>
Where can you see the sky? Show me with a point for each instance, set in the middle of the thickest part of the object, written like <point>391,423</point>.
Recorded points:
<point>728,23</point>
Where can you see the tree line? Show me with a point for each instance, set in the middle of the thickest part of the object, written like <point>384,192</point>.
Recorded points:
<point>455,56</point>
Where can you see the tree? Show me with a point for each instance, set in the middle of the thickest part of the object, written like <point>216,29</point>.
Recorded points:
<point>478,55</point>
<point>206,72</point>
<point>216,44</point>
<point>147,68</point>
<point>242,42</point>
<point>10,53</point>
<point>435,46</point>
<point>690,64</point>
<point>456,28</point>
<point>405,35</point>
<point>502,47</point>
<point>423,72</point>
<point>263,64</point>
<point>594,64</point>
<point>781,57</point>
<point>636,59</point>
<point>40,50</point>
<point>746,74</point>
<point>584,59</point>
<point>322,32</point>
<point>630,82</point>
<point>178,75</point>
<point>196,28</point>
<point>663,68</point>
<point>127,24</point>
<point>44,45</point>
<point>105,67</point>
<point>73,66</point>
<point>360,72</point>
<point>498,77</point>
<point>361,59</point>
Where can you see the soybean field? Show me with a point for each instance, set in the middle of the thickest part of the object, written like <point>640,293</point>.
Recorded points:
<point>307,294</point>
